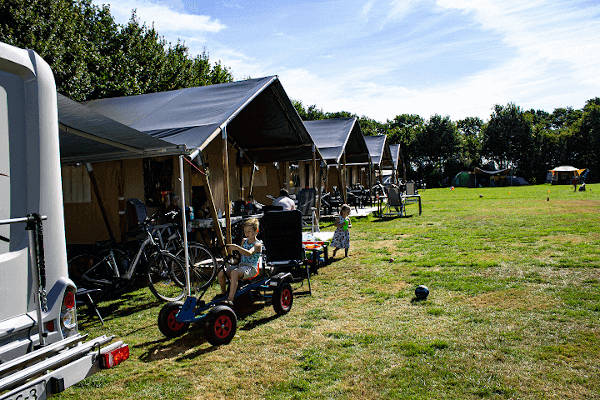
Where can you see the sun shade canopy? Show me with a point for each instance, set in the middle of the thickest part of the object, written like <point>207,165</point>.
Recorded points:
<point>257,114</point>
<point>567,168</point>
<point>379,151</point>
<point>333,136</point>
<point>395,151</point>
<point>86,136</point>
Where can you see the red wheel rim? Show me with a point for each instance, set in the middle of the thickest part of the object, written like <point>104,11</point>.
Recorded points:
<point>286,298</point>
<point>172,322</point>
<point>222,326</point>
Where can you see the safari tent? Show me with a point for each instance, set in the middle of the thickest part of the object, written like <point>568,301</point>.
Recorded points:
<point>380,155</point>
<point>340,143</point>
<point>226,129</point>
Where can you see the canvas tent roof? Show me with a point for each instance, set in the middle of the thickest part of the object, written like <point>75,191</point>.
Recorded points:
<point>258,116</point>
<point>333,136</point>
<point>395,151</point>
<point>567,168</point>
<point>86,136</point>
<point>380,153</point>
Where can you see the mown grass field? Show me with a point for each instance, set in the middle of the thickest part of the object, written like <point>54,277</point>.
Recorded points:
<point>514,312</point>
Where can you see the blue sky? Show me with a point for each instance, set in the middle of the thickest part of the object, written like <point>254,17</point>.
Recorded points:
<point>381,58</point>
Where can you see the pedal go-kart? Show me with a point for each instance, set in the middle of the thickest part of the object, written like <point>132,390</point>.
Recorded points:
<point>220,320</point>
<point>281,265</point>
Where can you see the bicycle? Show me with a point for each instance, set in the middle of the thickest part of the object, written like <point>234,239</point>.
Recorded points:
<point>202,263</point>
<point>113,269</point>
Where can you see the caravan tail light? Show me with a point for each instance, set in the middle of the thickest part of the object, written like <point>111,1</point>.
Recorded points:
<point>69,299</point>
<point>68,313</point>
<point>115,357</point>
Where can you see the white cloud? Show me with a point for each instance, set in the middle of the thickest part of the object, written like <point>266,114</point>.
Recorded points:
<point>166,19</point>
<point>555,64</point>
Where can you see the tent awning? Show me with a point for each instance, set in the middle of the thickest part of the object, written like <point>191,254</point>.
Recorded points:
<point>257,114</point>
<point>567,168</point>
<point>333,136</point>
<point>86,136</point>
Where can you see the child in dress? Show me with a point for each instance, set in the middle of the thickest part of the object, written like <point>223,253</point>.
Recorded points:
<point>250,250</point>
<point>341,237</point>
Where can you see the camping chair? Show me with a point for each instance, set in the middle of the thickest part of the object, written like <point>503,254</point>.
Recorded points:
<point>394,206</point>
<point>282,238</point>
<point>411,196</point>
<point>306,205</point>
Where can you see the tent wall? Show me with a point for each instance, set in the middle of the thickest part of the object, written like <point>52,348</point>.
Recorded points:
<point>213,158</point>
<point>333,178</point>
<point>268,180</point>
<point>83,220</point>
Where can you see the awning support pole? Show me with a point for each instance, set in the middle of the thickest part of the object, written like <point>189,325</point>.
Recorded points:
<point>94,183</point>
<point>212,209</point>
<point>226,182</point>
<point>251,190</point>
<point>314,181</point>
<point>319,193</point>
<point>184,225</point>
<point>344,177</point>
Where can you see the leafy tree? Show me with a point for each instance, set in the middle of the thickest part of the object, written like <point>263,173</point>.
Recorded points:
<point>93,57</point>
<point>469,130</point>
<point>507,137</point>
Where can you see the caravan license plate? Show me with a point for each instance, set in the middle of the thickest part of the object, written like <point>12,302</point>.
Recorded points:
<point>35,392</point>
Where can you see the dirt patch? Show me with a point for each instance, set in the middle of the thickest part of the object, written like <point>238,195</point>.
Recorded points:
<point>512,299</point>
<point>384,244</point>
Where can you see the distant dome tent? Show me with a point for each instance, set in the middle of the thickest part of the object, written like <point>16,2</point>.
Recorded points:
<point>564,174</point>
<point>482,178</point>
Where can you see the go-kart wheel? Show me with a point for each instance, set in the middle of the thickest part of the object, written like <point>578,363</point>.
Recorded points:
<point>167,323</point>
<point>283,298</point>
<point>221,324</point>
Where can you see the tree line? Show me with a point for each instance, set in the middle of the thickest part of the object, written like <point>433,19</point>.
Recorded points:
<point>94,57</point>
<point>530,142</point>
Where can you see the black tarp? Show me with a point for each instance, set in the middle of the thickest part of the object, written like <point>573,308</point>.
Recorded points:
<point>257,113</point>
<point>86,136</point>
<point>379,151</point>
<point>333,136</point>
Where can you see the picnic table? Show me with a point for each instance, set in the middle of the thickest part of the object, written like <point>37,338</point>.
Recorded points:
<point>316,245</point>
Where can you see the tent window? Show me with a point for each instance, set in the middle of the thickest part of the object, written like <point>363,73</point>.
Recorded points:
<point>157,180</point>
<point>76,184</point>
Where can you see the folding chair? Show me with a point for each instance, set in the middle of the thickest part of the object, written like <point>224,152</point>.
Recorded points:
<point>282,238</point>
<point>307,200</point>
<point>394,206</point>
<point>411,196</point>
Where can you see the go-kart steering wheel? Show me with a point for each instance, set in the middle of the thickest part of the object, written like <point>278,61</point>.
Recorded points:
<point>234,258</point>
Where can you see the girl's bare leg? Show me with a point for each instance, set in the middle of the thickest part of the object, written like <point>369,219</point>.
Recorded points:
<point>222,282</point>
<point>233,284</point>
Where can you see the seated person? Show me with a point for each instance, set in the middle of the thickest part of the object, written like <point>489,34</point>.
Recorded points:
<point>284,201</point>
<point>251,250</point>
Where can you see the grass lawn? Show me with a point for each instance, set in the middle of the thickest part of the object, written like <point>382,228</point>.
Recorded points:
<point>514,312</point>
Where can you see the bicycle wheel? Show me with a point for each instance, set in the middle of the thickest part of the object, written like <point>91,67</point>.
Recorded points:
<point>163,270</point>
<point>203,266</point>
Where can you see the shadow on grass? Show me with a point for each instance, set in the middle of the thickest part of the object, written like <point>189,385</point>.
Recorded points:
<point>161,350</point>
<point>386,219</point>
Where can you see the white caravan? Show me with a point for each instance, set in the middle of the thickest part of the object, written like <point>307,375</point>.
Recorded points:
<point>35,290</point>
